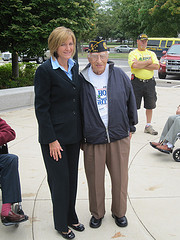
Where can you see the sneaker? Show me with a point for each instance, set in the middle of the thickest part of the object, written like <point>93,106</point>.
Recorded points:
<point>150,130</point>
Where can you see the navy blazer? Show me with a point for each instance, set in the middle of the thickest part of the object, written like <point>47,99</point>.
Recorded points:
<point>57,104</point>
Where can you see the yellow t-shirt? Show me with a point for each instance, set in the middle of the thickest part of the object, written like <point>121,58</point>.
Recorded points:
<point>142,56</point>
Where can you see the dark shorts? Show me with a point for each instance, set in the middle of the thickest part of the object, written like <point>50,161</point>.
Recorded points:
<point>145,90</point>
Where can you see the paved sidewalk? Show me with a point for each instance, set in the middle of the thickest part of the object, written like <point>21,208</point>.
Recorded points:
<point>154,184</point>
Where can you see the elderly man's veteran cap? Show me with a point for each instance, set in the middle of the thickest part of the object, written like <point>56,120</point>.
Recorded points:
<point>98,45</point>
<point>142,36</point>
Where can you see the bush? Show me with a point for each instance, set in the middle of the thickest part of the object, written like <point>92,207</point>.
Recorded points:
<point>26,75</point>
<point>5,74</point>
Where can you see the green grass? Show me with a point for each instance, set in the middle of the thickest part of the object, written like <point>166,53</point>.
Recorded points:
<point>118,55</point>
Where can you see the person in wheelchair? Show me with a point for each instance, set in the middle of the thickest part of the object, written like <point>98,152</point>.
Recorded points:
<point>169,135</point>
<point>9,178</point>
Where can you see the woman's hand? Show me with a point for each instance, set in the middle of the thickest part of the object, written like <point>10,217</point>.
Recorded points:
<point>130,135</point>
<point>178,110</point>
<point>55,150</point>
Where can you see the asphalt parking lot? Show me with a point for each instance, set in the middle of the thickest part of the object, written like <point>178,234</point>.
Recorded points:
<point>170,81</point>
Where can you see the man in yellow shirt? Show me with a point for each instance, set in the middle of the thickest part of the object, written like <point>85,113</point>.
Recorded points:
<point>143,63</point>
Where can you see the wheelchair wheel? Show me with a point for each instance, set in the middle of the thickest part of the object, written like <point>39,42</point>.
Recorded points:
<point>176,155</point>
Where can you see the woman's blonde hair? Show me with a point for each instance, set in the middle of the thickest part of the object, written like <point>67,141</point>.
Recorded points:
<point>57,37</point>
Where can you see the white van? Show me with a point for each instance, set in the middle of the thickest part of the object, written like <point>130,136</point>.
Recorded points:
<point>6,56</point>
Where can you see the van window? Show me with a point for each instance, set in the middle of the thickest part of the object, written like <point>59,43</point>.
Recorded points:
<point>153,43</point>
<point>169,43</point>
<point>177,42</point>
<point>163,43</point>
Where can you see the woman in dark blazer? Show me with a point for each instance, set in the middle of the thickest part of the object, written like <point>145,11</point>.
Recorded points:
<point>57,110</point>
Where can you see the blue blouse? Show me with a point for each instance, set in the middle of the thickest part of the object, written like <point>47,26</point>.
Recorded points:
<point>56,65</point>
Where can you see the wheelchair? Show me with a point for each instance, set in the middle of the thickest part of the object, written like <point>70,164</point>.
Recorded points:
<point>176,153</point>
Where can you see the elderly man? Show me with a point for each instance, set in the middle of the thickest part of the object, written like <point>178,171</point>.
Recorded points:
<point>109,115</point>
<point>143,63</point>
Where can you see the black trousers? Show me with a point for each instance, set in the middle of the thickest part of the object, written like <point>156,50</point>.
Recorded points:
<point>9,178</point>
<point>62,179</point>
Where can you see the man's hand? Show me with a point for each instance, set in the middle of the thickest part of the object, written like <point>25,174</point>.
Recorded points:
<point>55,150</point>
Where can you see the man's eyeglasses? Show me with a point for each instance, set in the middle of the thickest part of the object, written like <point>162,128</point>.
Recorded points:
<point>96,57</point>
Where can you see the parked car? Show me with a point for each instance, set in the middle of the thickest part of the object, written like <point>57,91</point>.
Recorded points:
<point>38,59</point>
<point>26,58</point>
<point>123,49</point>
<point>6,56</point>
<point>85,48</point>
<point>47,55</point>
<point>170,62</point>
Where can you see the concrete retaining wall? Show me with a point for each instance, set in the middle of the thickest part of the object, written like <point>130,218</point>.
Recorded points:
<point>16,97</point>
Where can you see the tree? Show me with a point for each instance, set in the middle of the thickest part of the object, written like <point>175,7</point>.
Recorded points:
<point>123,15</point>
<point>166,18</point>
<point>104,23</point>
<point>129,18</point>
<point>160,18</point>
<point>26,24</point>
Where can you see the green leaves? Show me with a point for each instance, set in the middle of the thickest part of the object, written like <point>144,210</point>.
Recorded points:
<point>25,24</point>
<point>129,18</point>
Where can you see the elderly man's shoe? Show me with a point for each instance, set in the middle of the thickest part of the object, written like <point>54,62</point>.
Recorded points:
<point>13,218</point>
<point>164,149</point>
<point>121,222</point>
<point>95,223</point>
<point>68,235</point>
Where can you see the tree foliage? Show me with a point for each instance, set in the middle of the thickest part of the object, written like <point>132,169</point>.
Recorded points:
<point>104,23</point>
<point>26,24</point>
<point>163,17</point>
<point>129,18</point>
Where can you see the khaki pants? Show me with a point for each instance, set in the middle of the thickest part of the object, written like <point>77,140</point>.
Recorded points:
<point>171,129</point>
<point>115,156</point>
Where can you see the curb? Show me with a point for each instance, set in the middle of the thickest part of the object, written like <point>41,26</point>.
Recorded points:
<point>16,97</point>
